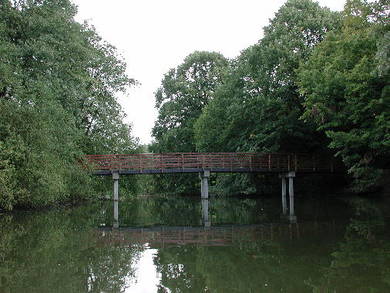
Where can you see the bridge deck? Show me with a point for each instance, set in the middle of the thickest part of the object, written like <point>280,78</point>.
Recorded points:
<point>215,162</point>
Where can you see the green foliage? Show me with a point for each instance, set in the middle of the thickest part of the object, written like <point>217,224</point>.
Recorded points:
<point>58,81</point>
<point>346,84</point>
<point>183,94</point>
<point>259,100</point>
<point>257,108</point>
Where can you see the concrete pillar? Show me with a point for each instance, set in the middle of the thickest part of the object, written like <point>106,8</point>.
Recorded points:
<point>284,199</point>
<point>291,176</point>
<point>116,214</point>
<point>115,177</point>
<point>292,219</point>
<point>201,185</point>
<point>205,213</point>
<point>204,184</point>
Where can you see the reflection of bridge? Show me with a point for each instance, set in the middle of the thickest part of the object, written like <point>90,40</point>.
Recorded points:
<point>213,236</point>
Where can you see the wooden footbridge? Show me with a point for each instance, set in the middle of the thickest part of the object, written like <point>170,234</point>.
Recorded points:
<point>286,165</point>
<point>214,162</point>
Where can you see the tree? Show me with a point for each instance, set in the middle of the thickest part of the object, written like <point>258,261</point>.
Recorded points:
<point>184,92</point>
<point>258,106</point>
<point>347,92</point>
<point>260,100</point>
<point>57,102</point>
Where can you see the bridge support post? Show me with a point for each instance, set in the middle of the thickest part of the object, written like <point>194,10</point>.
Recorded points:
<point>204,184</point>
<point>115,177</point>
<point>205,213</point>
<point>284,199</point>
<point>290,176</point>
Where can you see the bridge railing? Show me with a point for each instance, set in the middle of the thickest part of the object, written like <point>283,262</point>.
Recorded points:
<point>223,161</point>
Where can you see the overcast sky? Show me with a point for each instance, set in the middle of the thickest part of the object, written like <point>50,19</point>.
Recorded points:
<point>156,35</point>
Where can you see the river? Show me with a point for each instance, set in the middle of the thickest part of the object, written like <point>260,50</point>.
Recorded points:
<point>178,244</point>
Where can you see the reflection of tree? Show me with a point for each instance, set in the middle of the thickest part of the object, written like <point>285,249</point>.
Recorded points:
<point>57,252</point>
<point>60,252</point>
<point>171,211</point>
<point>109,268</point>
<point>176,275</point>
<point>237,211</point>
<point>180,211</point>
<point>362,261</point>
<point>251,263</point>
<point>247,266</point>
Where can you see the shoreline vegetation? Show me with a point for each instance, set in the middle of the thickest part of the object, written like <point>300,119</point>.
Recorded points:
<point>316,82</point>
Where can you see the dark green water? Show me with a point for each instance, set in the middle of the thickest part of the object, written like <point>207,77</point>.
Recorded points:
<point>162,245</point>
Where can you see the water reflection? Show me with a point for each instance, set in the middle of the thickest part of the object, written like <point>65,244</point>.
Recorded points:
<point>205,213</point>
<point>188,245</point>
<point>361,262</point>
<point>226,235</point>
<point>146,278</point>
<point>57,251</point>
<point>116,214</point>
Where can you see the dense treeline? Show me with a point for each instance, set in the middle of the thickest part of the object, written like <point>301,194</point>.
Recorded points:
<point>346,87</point>
<point>318,81</point>
<point>58,81</point>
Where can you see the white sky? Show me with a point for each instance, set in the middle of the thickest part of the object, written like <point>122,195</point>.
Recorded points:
<point>156,35</point>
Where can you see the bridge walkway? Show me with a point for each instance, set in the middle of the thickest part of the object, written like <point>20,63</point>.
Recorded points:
<point>284,164</point>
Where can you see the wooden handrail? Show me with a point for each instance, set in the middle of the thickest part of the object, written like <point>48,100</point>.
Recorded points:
<point>233,161</point>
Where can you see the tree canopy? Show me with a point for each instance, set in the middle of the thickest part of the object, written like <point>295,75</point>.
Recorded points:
<point>259,100</point>
<point>347,92</point>
<point>317,82</point>
<point>258,106</point>
<point>58,85</point>
<point>183,94</point>
<point>185,91</point>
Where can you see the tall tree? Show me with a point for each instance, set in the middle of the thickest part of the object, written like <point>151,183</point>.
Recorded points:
<point>347,90</point>
<point>57,101</point>
<point>260,100</point>
<point>183,94</point>
<point>258,106</point>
